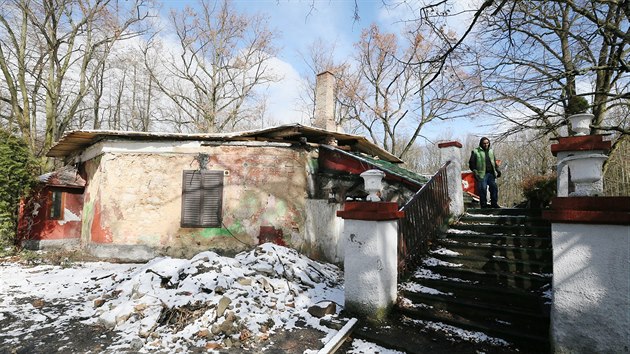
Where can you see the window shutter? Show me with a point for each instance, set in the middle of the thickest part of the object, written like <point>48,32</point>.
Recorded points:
<point>212,182</point>
<point>202,197</point>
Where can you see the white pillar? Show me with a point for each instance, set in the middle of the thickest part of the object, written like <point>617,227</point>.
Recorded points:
<point>590,309</point>
<point>370,258</point>
<point>451,151</point>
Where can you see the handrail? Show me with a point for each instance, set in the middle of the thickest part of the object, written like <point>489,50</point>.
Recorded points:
<point>425,215</point>
<point>426,186</point>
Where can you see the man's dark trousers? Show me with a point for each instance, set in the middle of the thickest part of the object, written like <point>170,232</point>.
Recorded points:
<point>489,181</point>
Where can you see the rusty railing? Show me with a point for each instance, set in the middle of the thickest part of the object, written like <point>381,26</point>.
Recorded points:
<point>426,213</point>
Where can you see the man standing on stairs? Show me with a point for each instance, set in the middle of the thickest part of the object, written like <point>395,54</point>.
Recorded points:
<point>484,165</point>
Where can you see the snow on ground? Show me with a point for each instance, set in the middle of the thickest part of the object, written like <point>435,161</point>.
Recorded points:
<point>175,305</point>
<point>432,262</point>
<point>424,273</point>
<point>170,305</point>
<point>417,288</point>
<point>362,347</point>
<point>49,284</point>
<point>470,232</point>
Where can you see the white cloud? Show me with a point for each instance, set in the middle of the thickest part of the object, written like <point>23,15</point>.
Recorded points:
<point>283,96</point>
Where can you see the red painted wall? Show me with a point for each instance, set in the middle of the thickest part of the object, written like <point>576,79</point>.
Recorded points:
<point>34,222</point>
<point>469,183</point>
<point>339,162</point>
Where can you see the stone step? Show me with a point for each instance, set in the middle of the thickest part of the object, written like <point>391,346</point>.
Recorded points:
<point>503,220</point>
<point>498,263</point>
<point>535,340</point>
<point>490,251</point>
<point>400,334</point>
<point>474,310</point>
<point>524,300</point>
<point>506,230</point>
<point>505,211</point>
<point>520,281</point>
<point>516,241</point>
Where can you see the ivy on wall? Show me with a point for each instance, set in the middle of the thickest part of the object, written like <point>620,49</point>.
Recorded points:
<point>17,176</point>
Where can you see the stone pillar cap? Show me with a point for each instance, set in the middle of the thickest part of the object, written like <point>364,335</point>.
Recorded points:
<point>446,144</point>
<point>581,143</point>
<point>589,210</point>
<point>371,211</point>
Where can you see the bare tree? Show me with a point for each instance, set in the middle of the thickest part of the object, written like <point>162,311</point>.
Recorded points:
<point>320,58</point>
<point>223,57</point>
<point>58,48</point>
<point>388,97</point>
<point>19,62</point>
<point>534,55</point>
<point>125,94</point>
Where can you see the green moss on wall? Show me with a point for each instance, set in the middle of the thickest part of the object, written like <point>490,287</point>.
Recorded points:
<point>211,232</point>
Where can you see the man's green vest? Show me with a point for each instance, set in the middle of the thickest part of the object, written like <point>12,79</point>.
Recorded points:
<point>481,161</point>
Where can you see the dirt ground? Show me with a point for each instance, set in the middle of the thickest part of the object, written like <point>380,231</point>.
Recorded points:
<point>78,338</point>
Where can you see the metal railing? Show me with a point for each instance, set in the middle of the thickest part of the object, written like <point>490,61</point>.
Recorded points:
<point>426,213</point>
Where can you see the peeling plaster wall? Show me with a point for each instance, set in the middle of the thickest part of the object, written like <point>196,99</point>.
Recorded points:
<point>134,199</point>
<point>37,231</point>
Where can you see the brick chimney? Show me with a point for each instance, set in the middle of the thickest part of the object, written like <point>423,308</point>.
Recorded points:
<point>325,101</point>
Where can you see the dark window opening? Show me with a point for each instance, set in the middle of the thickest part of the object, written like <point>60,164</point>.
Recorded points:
<point>56,205</point>
<point>202,198</point>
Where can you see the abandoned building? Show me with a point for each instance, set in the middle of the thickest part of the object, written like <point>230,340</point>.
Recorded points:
<point>148,194</point>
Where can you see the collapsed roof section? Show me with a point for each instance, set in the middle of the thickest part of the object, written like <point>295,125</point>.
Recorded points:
<point>66,177</point>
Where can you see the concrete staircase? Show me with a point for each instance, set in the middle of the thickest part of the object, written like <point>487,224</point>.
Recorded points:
<point>490,273</point>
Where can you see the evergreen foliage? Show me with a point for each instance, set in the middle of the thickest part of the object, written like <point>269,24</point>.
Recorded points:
<point>17,171</point>
<point>577,104</point>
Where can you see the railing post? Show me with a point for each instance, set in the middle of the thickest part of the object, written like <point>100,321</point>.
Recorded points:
<point>370,262</point>
<point>451,152</point>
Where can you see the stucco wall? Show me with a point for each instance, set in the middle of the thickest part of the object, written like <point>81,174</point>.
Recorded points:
<point>134,198</point>
<point>324,230</point>
<point>591,288</point>
<point>370,267</point>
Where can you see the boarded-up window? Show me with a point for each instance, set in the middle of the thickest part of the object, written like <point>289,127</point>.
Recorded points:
<point>202,196</point>
<point>56,205</point>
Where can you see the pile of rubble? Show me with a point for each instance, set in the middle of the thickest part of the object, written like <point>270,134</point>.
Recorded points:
<point>211,301</point>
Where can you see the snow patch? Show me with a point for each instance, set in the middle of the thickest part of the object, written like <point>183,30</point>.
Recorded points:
<point>444,252</point>
<point>432,262</point>
<point>424,273</point>
<point>417,288</point>
<point>360,346</point>
<point>215,299</point>
<point>454,333</point>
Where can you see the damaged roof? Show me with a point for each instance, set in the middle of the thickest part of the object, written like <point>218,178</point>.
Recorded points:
<point>67,176</point>
<point>76,141</point>
<point>334,160</point>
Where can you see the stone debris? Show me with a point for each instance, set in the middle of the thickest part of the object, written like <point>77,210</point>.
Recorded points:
<point>215,301</point>
<point>319,312</point>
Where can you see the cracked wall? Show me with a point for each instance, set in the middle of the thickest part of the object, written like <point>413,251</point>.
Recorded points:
<point>134,199</point>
